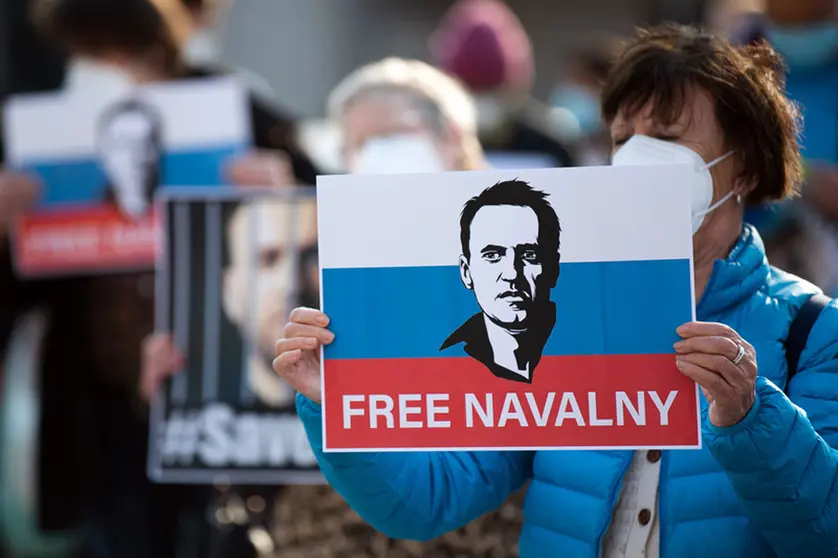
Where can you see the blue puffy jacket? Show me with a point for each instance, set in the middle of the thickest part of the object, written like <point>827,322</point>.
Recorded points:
<point>762,488</point>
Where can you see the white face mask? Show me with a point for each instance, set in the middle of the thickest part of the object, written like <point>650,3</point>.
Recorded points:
<point>645,150</point>
<point>402,154</point>
<point>203,47</point>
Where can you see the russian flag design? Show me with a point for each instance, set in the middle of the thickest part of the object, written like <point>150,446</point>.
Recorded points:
<point>437,349</point>
<point>83,145</point>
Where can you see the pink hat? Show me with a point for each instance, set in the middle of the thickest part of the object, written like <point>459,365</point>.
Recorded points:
<point>483,43</point>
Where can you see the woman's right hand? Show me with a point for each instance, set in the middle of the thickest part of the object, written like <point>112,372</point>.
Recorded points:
<point>298,353</point>
<point>18,192</point>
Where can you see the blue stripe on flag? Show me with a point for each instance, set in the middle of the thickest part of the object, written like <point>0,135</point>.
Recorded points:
<point>82,180</point>
<point>630,307</point>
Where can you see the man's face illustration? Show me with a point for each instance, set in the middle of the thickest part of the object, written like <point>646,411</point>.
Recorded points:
<point>504,269</point>
<point>260,233</point>
<point>128,155</point>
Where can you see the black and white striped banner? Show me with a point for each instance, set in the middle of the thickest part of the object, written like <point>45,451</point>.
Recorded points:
<point>232,265</point>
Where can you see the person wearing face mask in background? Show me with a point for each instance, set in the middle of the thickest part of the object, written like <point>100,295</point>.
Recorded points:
<point>801,235</point>
<point>404,116</point>
<point>763,351</point>
<point>203,45</point>
<point>575,104</point>
<point>201,48</point>
<point>484,45</point>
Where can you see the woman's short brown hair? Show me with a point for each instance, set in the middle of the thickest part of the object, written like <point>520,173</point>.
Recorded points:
<point>662,64</point>
<point>139,28</point>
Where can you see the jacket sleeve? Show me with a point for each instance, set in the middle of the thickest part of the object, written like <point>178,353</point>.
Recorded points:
<point>417,495</point>
<point>782,459</point>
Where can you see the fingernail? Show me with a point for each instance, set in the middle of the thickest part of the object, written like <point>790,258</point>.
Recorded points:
<point>679,364</point>
<point>329,336</point>
<point>322,321</point>
<point>678,345</point>
<point>682,328</point>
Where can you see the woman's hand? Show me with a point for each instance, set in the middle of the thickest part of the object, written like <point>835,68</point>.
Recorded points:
<point>298,353</point>
<point>160,360</point>
<point>18,192</point>
<point>261,168</point>
<point>723,364</point>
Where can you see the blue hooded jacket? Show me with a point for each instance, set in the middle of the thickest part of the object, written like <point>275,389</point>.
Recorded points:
<point>765,487</point>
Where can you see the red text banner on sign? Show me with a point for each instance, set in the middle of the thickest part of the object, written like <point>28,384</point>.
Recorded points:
<point>600,401</point>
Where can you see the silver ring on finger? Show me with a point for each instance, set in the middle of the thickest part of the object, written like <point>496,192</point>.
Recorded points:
<point>739,355</point>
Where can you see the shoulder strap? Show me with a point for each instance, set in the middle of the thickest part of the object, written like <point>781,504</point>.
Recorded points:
<point>800,328</point>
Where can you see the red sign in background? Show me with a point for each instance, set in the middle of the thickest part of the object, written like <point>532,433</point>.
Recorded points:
<point>89,239</point>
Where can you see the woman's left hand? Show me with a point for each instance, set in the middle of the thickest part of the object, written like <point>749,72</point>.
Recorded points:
<point>261,168</point>
<point>723,364</point>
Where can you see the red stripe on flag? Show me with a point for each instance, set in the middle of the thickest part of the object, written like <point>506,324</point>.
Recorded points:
<point>94,238</point>
<point>456,403</point>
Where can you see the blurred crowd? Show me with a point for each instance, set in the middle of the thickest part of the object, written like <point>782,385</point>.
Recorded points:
<point>469,104</point>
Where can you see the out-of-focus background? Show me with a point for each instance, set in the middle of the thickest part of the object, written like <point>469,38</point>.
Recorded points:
<point>296,52</point>
<point>79,487</point>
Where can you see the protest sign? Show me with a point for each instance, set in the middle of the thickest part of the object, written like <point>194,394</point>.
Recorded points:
<point>233,263</point>
<point>103,155</point>
<point>500,309</point>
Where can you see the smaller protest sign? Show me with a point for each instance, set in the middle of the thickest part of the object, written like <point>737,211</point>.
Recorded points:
<point>233,263</point>
<point>507,310</point>
<point>103,155</point>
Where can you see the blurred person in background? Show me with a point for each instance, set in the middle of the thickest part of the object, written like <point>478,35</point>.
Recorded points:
<point>575,103</point>
<point>395,115</point>
<point>94,430</point>
<point>802,235</point>
<point>203,45</point>
<point>483,44</point>
<point>201,48</point>
<point>142,42</point>
<point>400,115</point>
<point>762,486</point>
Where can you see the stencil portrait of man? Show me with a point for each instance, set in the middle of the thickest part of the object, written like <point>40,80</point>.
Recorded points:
<point>509,235</point>
<point>130,152</point>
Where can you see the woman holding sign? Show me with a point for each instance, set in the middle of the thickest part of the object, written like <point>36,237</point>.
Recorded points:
<point>764,483</point>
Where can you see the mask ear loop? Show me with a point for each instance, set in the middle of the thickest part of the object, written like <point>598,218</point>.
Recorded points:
<point>718,160</point>
<point>714,162</point>
<point>727,196</point>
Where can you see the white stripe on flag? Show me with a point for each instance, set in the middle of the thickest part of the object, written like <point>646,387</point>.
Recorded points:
<point>606,213</point>
<point>183,108</point>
